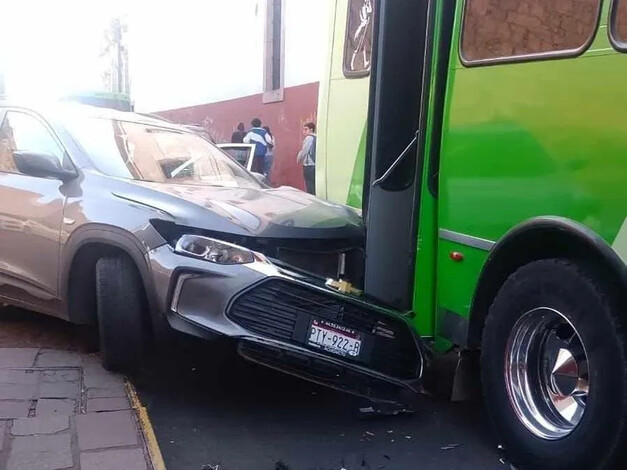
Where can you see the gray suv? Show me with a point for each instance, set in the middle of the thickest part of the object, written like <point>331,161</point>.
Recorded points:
<point>143,227</point>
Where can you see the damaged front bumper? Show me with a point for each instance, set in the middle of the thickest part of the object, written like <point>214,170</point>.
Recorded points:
<point>270,312</point>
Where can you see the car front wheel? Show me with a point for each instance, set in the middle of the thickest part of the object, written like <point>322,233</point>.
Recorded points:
<point>120,305</point>
<point>554,368</point>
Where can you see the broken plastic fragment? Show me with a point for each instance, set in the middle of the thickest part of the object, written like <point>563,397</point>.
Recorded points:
<point>384,409</point>
<point>450,446</point>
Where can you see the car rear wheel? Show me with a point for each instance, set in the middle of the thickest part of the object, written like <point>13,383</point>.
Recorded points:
<point>120,306</point>
<point>554,368</point>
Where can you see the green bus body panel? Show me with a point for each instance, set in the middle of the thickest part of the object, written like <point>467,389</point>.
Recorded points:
<point>425,267</point>
<point>456,295</point>
<point>522,140</point>
<point>356,189</point>
<point>425,275</point>
<point>342,115</point>
<point>519,140</point>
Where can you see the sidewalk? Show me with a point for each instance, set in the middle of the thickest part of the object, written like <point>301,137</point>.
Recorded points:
<point>62,410</point>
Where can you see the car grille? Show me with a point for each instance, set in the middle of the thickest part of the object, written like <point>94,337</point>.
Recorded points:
<point>322,264</point>
<point>283,310</point>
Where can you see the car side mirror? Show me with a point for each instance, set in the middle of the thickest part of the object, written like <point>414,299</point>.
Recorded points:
<point>42,165</point>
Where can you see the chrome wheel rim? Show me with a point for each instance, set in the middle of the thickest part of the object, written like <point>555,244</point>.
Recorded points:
<point>546,373</point>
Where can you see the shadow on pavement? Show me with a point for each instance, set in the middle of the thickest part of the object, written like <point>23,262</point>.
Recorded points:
<point>210,408</point>
<point>24,329</point>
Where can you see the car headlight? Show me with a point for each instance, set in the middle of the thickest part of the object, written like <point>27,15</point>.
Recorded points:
<point>215,251</point>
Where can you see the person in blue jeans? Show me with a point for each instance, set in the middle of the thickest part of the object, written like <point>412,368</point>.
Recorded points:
<point>258,136</point>
<point>269,158</point>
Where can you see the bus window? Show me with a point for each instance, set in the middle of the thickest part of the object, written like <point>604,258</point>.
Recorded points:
<point>619,23</point>
<point>516,29</point>
<point>358,43</point>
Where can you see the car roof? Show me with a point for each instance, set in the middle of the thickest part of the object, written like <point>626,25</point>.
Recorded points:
<point>59,110</point>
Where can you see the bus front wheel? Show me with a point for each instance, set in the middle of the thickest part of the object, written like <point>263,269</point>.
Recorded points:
<point>554,368</point>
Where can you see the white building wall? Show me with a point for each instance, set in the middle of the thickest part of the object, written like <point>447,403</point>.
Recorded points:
<point>196,52</point>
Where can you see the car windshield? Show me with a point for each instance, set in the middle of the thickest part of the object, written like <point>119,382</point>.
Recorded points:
<point>146,152</point>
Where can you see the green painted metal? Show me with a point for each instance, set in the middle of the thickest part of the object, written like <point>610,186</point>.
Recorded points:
<point>523,140</point>
<point>356,189</point>
<point>520,140</point>
<point>424,302</point>
<point>456,295</point>
<point>342,115</point>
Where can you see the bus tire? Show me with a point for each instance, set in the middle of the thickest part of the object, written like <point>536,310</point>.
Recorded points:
<point>555,335</point>
<point>120,305</point>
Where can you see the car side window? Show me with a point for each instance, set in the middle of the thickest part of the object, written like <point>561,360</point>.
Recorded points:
<point>23,132</point>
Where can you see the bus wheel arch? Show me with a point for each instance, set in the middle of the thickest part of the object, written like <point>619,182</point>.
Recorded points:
<point>553,371</point>
<point>533,240</point>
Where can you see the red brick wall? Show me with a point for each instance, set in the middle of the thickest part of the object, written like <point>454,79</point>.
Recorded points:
<point>284,118</point>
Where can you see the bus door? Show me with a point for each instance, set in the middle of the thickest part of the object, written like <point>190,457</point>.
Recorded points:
<point>393,166</point>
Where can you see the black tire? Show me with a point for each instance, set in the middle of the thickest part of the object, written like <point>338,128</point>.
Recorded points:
<point>120,306</point>
<point>599,439</point>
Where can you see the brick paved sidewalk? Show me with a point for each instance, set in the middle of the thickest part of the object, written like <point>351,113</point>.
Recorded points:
<point>62,410</point>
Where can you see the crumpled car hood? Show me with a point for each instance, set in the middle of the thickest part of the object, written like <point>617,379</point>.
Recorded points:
<point>281,212</point>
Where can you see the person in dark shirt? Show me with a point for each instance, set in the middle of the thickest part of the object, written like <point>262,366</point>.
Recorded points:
<point>238,135</point>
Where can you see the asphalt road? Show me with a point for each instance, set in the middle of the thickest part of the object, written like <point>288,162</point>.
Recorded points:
<point>212,410</point>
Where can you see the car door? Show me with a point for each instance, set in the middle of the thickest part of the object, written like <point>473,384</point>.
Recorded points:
<point>241,153</point>
<point>31,212</point>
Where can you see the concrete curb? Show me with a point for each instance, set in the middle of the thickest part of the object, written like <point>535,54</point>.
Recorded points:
<point>152,446</point>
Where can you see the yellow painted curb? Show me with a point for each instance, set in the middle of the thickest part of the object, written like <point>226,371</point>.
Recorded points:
<point>154,452</point>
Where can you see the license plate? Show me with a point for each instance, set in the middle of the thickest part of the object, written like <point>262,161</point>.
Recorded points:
<point>334,338</point>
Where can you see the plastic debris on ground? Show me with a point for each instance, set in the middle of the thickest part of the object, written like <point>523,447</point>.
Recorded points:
<point>500,449</point>
<point>450,446</point>
<point>384,409</point>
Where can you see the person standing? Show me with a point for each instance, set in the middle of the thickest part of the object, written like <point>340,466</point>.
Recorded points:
<point>260,138</point>
<point>238,136</point>
<point>307,157</point>
<point>268,160</point>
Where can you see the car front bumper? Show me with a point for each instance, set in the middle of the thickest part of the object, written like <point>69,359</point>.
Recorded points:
<point>269,310</point>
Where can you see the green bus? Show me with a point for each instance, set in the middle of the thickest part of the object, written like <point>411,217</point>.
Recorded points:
<point>485,142</point>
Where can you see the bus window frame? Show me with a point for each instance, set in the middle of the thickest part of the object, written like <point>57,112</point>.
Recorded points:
<point>536,56</point>
<point>350,74</point>
<point>617,43</point>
